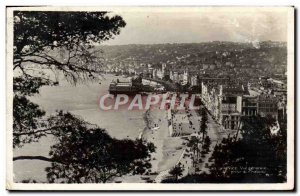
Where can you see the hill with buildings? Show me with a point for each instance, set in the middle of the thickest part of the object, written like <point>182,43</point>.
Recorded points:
<point>227,58</point>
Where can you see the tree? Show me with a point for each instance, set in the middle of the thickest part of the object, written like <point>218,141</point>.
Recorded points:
<point>58,42</point>
<point>178,87</point>
<point>193,143</point>
<point>257,154</point>
<point>48,45</point>
<point>255,157</point>
<point>176,171</point>
<point>84,153</point>
<point>166,78</point>
<point>185,88</point>
<point>61,42</point>
<point>207,143</point>
<point>38,35</point>
<point>203,125</point>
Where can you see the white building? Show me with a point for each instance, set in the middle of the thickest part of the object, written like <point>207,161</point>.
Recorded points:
<point>194,80</point>
<point>226,110</point>
<point>185,78</point>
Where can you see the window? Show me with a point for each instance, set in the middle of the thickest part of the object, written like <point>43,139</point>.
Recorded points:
<point>232,125</point>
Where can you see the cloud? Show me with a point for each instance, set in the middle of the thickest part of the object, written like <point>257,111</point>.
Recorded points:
<point>150,27</point>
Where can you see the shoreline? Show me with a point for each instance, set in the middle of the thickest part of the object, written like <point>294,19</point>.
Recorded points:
<point>168,148</point>
<point>156,133</point>
<point>147,124</point>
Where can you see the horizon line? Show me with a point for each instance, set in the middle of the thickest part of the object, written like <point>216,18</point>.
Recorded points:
<point>276,41</point>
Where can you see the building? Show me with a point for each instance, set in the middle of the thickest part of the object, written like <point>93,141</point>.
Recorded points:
<point>224,104</point>
<point>268,105</point>
<point>230,112</point>
<point>185,77</point>
<point>154,73</point>
<point>231,121</point>
<point>122,88</point>
<point>211,97</point>
<point>281,110</point>
<point>270,83</point>
<point>228,103</point>
<point>214,80</point>
<point>163,68</point>
<point>171,75</point>
<point>194,80</point>
<point>159,74</point>
<point>249,105</point>
<point>175,77</point>
<point>150,72</point>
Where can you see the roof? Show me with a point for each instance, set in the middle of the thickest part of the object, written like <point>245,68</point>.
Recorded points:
<point>229,100</point>
<point>233,90</point>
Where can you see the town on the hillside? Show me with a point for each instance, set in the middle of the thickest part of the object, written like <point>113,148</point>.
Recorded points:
<point>228,94</point>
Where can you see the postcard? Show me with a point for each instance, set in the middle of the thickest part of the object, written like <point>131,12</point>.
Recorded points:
<point>150,98</point>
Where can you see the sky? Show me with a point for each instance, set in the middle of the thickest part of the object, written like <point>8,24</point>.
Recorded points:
<point>194,25</point>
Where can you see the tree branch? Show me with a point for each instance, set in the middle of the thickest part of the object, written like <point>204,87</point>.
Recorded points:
<point>35,132</point>
<point>41,158</point>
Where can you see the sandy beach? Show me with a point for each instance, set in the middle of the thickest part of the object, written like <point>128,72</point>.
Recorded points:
<point>82,100</point>
<point>168,149</point>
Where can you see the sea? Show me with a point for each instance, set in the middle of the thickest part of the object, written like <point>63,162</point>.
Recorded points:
<point>82,100</point>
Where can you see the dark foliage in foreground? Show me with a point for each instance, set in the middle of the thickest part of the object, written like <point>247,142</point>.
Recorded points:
<point>257,156</point>
<point>48,44</point>
<point>176,171</point>
<point>84,153</point>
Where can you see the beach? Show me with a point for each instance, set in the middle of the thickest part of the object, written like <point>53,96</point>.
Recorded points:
<point>82,100</point>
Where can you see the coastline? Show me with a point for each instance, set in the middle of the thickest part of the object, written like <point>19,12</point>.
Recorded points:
<point>168,149</point>
<point>141,123</point>
<point>146,119</point>
<point>155,134</point>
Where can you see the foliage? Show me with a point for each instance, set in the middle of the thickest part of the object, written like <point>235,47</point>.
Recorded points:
<point>207,143</point>
<point>203,124</point>
<point>176,171</point>
<point>256,157</point>
<point>30,85</point>
<point>85,153</point>
<point>193,143</point>
<point>27,118</point>
<point>257,152</point>
<point>59,42</point>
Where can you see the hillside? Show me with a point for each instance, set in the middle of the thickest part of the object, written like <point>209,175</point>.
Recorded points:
<point>265,57</point>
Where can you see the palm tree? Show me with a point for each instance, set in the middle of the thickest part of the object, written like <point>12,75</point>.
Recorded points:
<point>203,125</point>
<point>193,144</point>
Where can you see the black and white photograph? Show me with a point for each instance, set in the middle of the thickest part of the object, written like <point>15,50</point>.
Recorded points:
<point>150,98</point>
